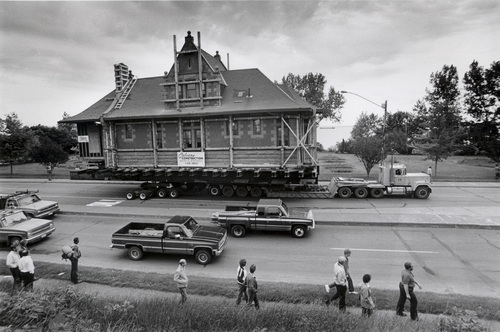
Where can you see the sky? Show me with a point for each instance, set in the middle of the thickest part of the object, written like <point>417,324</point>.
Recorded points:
<point>58,56</point>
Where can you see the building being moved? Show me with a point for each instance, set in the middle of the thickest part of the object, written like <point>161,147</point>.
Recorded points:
<point>230,131</point>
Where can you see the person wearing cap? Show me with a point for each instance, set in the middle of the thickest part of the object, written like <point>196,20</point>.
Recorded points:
<point>241,279</point>
<point>27,269</point>
<point>73,258</point>
<point>340,283</point>
<point>181,279</point>
<point>406,287</point>
<point>13,264</point>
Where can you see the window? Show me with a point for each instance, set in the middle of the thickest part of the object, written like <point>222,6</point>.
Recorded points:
<point>257,126</point>
<point>128,131</point>
<point>159,136</point>
<point>236,128</point>
<point>191,135</point>
<point>286,135</point>
<point>191,91</point>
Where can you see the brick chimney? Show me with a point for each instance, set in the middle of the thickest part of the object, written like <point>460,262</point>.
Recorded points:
<point>121,76</point>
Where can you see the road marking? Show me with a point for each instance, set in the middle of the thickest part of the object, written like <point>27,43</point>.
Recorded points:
<point>105,203</point>
<point>387,250</point>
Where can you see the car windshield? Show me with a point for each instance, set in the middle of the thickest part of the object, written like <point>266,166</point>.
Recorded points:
<point>28,200</point>
<point>14,218</point>
<point>285,208</point>
<point>192,225</point>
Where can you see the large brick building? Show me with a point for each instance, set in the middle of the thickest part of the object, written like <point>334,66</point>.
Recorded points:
<point>200,115</point>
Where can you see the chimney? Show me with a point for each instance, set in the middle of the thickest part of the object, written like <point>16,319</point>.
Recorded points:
<point>121,76</point>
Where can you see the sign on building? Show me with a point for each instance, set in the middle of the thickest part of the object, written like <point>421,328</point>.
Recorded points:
<point>191,159</point>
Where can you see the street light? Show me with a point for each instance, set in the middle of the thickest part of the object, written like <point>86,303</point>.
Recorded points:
<point>384,107</point>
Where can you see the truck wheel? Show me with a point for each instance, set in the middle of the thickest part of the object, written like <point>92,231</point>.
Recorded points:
<point>173,193</point>
<point>214,191</point>
<point>203,256</point>
<point>241,191</point>
<point>377,193</point>
<point>14,239</point>
<point>299,231</point>
<point>361,192</point>
<point>144,195</point>
<point>130,195</point>
<point>345,192</point>
<point>238,231</point>
<point>162,193</point>
<point>135,253</point>
<point>227,191</point>
<point>422,192</point>
<point>256,192</point>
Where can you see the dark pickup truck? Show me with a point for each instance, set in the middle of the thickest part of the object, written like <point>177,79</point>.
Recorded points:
<point>181,235</point>
<point>267,215</point>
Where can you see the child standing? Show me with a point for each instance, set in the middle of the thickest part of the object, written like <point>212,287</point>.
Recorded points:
<point>365,296</point>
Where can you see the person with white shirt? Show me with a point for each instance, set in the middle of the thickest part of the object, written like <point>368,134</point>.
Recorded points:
<point>13,264</point>
<point>340,283</point>
<point>27,269</point>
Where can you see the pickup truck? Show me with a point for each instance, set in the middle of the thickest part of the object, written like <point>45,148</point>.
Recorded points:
<point>16,226</point>
<point>181,235</point>
<point>267,215</point>
<point>28,202</point>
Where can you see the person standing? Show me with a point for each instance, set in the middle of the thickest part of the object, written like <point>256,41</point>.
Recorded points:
<point>241,278</point>
<point>13,264</point>
<point>406,287</point>
<point>429,171</point>
<point>49,172</point>
<point>27,269</point>
<point>365,296</point>
<point>73,258</point>
<point>497,172</point>
<point>181,279</point>
<point>340,283</point>
<point>252,288</point>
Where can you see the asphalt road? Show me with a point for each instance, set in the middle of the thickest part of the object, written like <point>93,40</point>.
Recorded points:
<point>446,260</point>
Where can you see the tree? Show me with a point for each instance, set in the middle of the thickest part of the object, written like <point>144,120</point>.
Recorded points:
<point>399,130</point>
<point>53,145</point>
<point>441,130</point>
<point>311,87</point>
<point>15,140</point>
<point>482,103</point>
<point>367,125</point>
<point>367,149</point>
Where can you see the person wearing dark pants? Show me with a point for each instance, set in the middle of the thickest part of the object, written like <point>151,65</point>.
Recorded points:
<point>27,269</point>
<point>241,279</point>
<point>13,264</point>
<point>406,287</point>
<point>252,288</point>
<point>73,258</point>
<point>340,283</point>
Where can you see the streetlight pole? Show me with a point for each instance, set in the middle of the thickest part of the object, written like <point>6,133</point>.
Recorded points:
<point>384,107</point>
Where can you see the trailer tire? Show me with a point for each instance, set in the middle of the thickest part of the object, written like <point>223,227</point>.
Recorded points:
<point>241,191</point>
<point>203,256</point>
<point>345,192</point>
<point>256,192</point>
<point>162,193</point>
<point>238,231</point>
<point>377,193</point>
<point>214,191</point>
<point>173,193</point>
<point>299,231</point>
<point>422,192</point>
<point>227,191</point>
<point>144,195</point>
<point>130,195</point>
<point>361,192</point>
<point>135,253</point>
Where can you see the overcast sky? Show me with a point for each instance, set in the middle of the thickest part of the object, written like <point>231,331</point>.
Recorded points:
<point>58,57</point>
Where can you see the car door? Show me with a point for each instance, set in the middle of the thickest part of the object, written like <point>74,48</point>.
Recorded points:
<point>174,240</point>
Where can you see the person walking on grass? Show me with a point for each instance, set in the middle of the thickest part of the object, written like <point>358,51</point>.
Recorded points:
<point>340,283</point>
<point>406,287</point>
<point>181,279</point>
<point>27,269</point>
<point>252,288</point>
<point>73,258</point>
<point>13,264</point>
<point>365,296</point>
<point>241,279</point>
<point>347,254</point>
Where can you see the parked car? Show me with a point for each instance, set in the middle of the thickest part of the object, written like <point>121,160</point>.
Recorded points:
<point>28,202</point>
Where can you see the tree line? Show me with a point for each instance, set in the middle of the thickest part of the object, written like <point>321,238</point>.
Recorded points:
<point>447,120</point>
